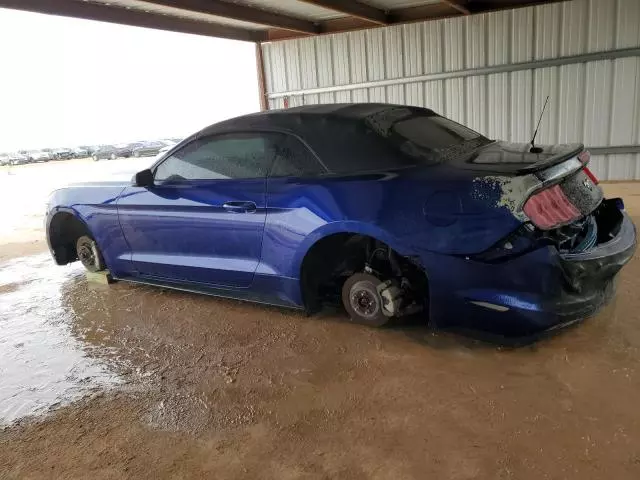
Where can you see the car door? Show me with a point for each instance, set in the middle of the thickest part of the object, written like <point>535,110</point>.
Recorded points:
<point>299,202</point>
<point>203,219</point>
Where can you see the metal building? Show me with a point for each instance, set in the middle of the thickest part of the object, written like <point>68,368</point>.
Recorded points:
<point>491,72</point>
<point>487,63</point>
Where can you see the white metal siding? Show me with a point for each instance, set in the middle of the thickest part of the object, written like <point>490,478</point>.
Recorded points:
<point>597,102</point>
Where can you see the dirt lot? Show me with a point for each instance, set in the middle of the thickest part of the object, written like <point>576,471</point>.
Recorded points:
<point>126,381</point>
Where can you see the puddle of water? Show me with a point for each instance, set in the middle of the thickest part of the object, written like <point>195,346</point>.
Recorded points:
<point>42,363</point>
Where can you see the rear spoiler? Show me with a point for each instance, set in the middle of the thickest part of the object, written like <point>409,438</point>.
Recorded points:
<point>550,162</point>
<point>558,171</point>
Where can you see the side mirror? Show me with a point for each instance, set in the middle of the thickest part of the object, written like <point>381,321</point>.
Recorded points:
<point>143,179</point>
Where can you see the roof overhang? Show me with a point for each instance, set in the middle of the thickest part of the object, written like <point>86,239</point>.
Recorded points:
<point>263,20</point>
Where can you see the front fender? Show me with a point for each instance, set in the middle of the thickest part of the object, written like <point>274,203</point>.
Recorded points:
<point>60,256</point>
<point>96,208</point>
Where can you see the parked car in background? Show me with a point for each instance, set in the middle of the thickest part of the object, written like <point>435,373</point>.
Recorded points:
<point>62,154</point>
<point>93,148</point>
<point>40,156</point>
<point>123,150</point>
<point>18,159</point>
<point>4,159</point>
<point>26,154</point>
<point>168,146</point>
<point>393,209</point>
<point>80,152</point>
<point>104,152</point>
<point>147,149</point>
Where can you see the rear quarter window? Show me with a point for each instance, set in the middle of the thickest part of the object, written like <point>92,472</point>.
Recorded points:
<point>389,139</point>
<point>426,137</point>
<point>349,146</point>
<point>294,159</point>
<point>433,132</point>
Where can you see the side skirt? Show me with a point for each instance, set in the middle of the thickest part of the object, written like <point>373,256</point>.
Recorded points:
<point>235,294</point>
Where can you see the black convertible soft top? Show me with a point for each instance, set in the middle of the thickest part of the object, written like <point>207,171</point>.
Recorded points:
<point>342,134</point>
<point>299,119</point>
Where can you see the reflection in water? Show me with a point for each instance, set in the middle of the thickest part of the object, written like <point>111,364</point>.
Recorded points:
<point>42,364</point>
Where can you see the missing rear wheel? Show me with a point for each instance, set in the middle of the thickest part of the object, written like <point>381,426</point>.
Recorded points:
<point>362,301</point>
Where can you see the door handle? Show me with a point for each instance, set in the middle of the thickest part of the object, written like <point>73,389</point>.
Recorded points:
<point>240,207</point>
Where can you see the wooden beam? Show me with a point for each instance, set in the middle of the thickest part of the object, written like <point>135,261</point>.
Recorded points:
<point>132,17</point>
<point>459,5</point>
<point>353,9</point>
<point>431,11</point>
<point>262,83</point>
<point>420,13</point>
<point>241,12</point>
<point>485,6</point>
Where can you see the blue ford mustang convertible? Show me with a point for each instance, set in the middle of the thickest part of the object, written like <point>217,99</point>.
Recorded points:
<point>392,210</point>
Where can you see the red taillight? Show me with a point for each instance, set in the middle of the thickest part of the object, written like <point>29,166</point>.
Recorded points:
<point>550,208</point>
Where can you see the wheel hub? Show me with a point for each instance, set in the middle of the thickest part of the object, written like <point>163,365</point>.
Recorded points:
<point>364,300</point>
<point>86,255</point>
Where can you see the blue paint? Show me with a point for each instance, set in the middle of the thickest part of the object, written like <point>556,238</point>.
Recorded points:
<point>182,236</point>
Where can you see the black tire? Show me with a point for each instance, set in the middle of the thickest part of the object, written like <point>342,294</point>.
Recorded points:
<point>362,301</point>
<point>89,254</point>
<point>113,156</point>
<point>95,158</point>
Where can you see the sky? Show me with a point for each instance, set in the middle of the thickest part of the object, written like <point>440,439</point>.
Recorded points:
<point>66,82</point>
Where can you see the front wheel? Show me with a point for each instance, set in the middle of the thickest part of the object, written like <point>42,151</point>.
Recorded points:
<point>362,301</point>
<point>89,254</point>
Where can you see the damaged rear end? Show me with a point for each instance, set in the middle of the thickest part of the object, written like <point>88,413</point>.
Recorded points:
<point>586,239</point>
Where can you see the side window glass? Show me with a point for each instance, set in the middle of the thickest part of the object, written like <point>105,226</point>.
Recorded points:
<point>293,159</point>
<point>220,157</point>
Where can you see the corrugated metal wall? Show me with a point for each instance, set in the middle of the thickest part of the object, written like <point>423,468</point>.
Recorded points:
<point>597,102</point>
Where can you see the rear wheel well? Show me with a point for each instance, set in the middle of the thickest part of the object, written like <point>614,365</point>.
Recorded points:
<point>64,231</point>
<point>333,259</point>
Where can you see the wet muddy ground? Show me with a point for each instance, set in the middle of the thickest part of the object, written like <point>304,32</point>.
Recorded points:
<point>127,381</point>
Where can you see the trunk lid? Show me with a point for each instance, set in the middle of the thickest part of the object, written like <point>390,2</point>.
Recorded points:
<point>515,158</point>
